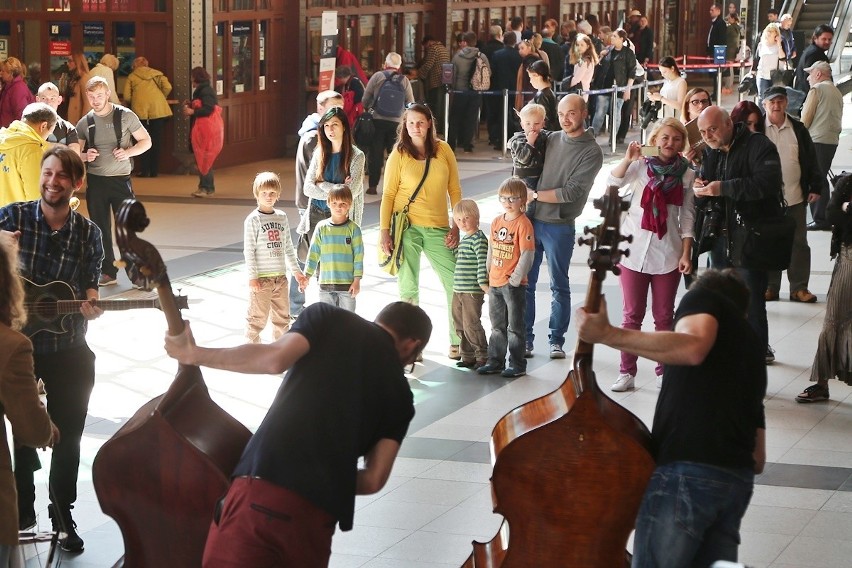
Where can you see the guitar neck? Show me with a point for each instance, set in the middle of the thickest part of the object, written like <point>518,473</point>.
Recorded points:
<point>73,306</point>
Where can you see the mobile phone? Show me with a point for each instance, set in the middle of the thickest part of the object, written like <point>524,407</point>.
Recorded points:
<point>649,151</point>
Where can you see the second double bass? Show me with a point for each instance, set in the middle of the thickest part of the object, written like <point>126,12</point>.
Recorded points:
<point>570,467</point>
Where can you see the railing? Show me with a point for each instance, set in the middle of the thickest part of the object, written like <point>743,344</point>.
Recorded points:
<point>613,91</point>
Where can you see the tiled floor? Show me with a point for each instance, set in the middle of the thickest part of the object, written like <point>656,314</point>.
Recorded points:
<point>438,499</point>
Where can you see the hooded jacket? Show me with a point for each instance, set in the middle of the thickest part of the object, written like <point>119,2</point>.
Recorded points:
<point>145,93</point>
<point>463,64</point>
<point>21,149</point>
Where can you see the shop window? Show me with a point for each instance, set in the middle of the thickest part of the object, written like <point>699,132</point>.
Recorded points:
<point>367,42</point>
<point>242,43</point>
<point>314,48</point>
<point>409,37</point>
<point>495,16</point>
<point>124,37</point>
<point>531,13</point>
<point>243,5</point>
<point>219,63</point>
<point>261,56</point>
<point>59,50</point>
<point>93,42</point>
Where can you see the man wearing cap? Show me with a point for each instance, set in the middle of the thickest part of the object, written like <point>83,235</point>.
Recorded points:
<point>822,36</point>
<point>718,30</point>
<point>802,185</point>
<point>822,115</point>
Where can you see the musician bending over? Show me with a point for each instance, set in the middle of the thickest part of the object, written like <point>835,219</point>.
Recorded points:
<point>709,424</point>
<point>345,396</point>
<point>58,244</point>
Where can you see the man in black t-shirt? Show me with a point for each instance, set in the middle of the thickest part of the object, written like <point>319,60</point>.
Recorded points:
<point>344,397</point>
<point>709,424</point>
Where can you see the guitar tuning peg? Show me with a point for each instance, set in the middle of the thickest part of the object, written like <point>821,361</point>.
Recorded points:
<point>616,270</point>
<point>588,230</point>
<point>587,241</point>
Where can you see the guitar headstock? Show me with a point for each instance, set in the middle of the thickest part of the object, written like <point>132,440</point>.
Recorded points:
<point>605,238</point>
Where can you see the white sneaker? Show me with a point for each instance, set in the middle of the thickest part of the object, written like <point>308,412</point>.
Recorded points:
<point>624,383</point>
<point>659,381</point>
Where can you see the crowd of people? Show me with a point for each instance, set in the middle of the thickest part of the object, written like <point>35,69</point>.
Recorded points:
<point>753,164</point>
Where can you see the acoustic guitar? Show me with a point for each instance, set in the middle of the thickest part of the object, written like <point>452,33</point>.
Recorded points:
<point>49,304</point>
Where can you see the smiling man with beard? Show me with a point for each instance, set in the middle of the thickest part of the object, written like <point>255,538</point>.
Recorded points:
<point>58,244</point>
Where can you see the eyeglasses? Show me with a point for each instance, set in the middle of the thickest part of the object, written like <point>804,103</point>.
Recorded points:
<point>696,102</point>
<point>508,199</point>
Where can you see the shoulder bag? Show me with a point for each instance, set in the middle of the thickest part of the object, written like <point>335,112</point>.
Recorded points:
<point>392,262</point>
<point>763,244</point>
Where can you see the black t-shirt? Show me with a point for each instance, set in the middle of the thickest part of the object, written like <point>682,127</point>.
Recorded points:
<point>335,403</point>
<point>709,413</point>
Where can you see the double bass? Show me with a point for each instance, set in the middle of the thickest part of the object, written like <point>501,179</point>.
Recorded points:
<point>570,467</point>
<point>162,473</point>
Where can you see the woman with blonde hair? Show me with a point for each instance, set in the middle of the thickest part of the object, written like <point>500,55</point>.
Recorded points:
<point>75,88</point>
<point>660,217</point>
<point>536,41</point>
<point>15,95</point>
<point>106,68</point>
<point>770,50</point>
<point>584,58</point>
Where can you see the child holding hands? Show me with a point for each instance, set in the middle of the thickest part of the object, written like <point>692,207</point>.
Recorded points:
<point>268,251</point>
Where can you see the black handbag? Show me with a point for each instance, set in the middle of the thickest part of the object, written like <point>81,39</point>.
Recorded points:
<point>781,77</point>
<point>763,244</point>
<point>364,129</point>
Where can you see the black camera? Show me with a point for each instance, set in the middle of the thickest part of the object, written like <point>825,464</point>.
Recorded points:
<point>649,112</point>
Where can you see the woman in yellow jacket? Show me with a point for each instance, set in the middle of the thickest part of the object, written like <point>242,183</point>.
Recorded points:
<point>432,231</point>
<point>145,93</point>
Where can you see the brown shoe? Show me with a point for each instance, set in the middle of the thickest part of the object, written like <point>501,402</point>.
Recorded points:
<point>372,190</point>
<point>770,295</point>
<point>803,296</point>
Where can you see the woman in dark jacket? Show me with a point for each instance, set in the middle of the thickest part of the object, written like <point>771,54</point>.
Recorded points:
<point>542,82</point>
<point>207,101</point>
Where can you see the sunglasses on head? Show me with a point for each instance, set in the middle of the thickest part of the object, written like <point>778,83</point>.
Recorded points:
<point>332,112</point>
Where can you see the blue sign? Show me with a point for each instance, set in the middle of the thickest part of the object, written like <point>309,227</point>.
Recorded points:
<point>719,54</point>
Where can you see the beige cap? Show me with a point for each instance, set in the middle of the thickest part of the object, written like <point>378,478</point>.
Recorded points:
<point>635,13</point>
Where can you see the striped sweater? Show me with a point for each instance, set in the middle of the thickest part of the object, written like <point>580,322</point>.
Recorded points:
<point>471,267</point>
<point>340,251</point>
<point>267,245</point>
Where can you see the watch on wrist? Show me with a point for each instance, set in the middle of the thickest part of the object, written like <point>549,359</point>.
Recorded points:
<point>535,196</point>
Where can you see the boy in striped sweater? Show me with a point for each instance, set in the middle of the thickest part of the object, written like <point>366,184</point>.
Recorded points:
<point>268,251</point>
<point>470,284</point>
<point>337,246</point>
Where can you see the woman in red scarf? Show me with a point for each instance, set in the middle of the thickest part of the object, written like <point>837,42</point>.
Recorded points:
<point>660,218</point>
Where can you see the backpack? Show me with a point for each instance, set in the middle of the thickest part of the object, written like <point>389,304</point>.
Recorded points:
<point>390,100</point>
<point>116,126</point>
<point>480,80</point>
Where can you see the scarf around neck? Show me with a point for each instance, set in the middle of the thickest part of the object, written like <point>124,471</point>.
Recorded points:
<point>664,187</point>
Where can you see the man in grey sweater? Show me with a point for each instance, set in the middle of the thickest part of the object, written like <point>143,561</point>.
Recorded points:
<point>572,160</point>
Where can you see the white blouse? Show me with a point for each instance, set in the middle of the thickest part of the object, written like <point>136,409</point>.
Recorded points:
<point>769,60</point>
<point>648,253</point>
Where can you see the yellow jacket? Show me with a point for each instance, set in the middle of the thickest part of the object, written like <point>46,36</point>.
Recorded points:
<point>21,149</point>
<point>145,92</point>
<point>439,194</point>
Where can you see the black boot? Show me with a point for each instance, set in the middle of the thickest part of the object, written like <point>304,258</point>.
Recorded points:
<point>63,523</point>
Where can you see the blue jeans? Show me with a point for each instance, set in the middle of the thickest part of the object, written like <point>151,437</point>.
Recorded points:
<point>762,85</point>
<point>756,280</point>
<point>340,299</point>
<point>557,242</point>
<point>506,310</point>
<point>690,516</point>
<point>297,298</point>
<point>602,109</point>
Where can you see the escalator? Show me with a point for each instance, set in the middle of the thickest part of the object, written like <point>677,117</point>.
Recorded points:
<point>808,14</point>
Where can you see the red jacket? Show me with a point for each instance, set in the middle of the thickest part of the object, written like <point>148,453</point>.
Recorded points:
<point>14,97</point>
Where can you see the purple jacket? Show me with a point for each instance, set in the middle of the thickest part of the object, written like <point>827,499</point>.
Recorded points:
<point>14,97</point>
